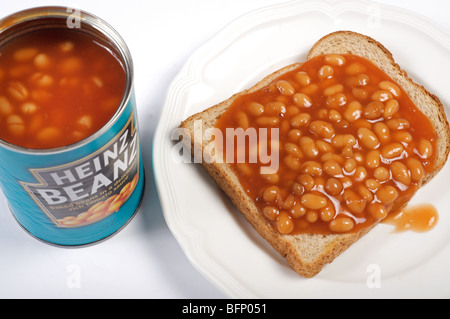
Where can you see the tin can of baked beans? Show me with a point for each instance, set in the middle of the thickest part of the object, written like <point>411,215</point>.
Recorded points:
<point>90,186</point>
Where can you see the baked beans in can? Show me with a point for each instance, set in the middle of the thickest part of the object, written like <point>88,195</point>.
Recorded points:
<point>70,157</point>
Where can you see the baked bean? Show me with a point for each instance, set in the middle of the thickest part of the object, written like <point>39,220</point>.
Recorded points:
<point>285,87</point>
<point>402,137</point>
<point>387,194</point>
<point>294,135</point>
<point>292,162</point>
<point>332,157</point>
<point>416,169</point>
<point>324,146</point>
<point>322,129</point>
<point>372,184</point>
<point>334,116</point>
<point>297,188</point>
<point>25,54</point>
<point>392,150</point>
<point>310,89</point>
<point>355,203</point>
<point>313,201</point>
<point>298,210</point>
<point>302,78</point>
<point>66,46</point>
<point>360,173</point>
<point>373,110</point>
<point>41,95</point>
<point>368,138</point>
<point>347,152</point>
<point>381,96</point>
<point>365,193</point>
<point>272,194</point>
<point>373,159</point>
<point>353,111</point>
<point>360,93</point>
<point>322,114</point>
<point>308,147</point>
<point>358,80</point>
<point>242,120</point>
<point>42,80</point>
<point>5,107</point>
<point>271,213</point>
<point>271,178</point>
<point>292,111</point>
<point>359,158</point>
<point>275,108</point>
<point>312,168</point>
<point>42,61</point>
<point>15,124</point>
<point>267,121</point>
<point>333,90</point>
<point>355,68</point>
<point>336,100</point>
<point>382,132</point>
<point>300,120</point>
<point>332,168</point>
<point>333,186</point>
<point>302,100</point>
<point>424,148</point>
<point>85,121</point>
<point>350,165</point>
<point>397,124</point>
<point>327,213</point>
<point>391,108</point>
<point>48,135</point>
<point>18,91</point>
<point>255,109</point>
<point>284,223</point>
<point>293,149</point>
<point>382,174</point>
<point>244,168</point>
<point>341,141</point>
<point>390,87</point>
<point>377,211</point>
<point>401,173</point>
<point>71,65</point>
<point>346,182</point>
<point>312,216</point>
<point>326,72</point>
<point>307,181</point>
<point>28,108</point>
<point>335,59</point>
<point>341,224</point>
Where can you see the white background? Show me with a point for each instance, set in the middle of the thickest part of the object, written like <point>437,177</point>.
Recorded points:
<point>144,260</point>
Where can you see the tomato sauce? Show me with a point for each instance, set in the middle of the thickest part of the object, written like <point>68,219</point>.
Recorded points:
<point>57,88</point>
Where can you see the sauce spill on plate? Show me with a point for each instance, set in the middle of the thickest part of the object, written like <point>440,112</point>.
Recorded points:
<point>417,218</point>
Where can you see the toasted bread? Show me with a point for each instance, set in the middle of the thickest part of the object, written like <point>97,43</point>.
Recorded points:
<point>307,254</point>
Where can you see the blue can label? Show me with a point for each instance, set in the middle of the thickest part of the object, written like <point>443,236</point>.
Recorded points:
<point>90,189</point>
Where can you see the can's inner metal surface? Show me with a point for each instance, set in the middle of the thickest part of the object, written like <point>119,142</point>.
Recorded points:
<point>30,20</point>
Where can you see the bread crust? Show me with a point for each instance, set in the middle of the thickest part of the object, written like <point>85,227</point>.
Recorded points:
<point>307,254</point>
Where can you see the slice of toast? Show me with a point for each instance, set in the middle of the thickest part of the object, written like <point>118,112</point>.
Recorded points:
<point>307,254</point>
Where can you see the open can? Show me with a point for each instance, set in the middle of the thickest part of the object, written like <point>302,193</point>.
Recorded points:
<point>84,192</point>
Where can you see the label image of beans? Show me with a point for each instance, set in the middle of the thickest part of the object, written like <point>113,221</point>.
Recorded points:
<point>87,190</point>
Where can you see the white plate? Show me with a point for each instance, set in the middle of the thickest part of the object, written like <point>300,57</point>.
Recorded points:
<point>216,238</point>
